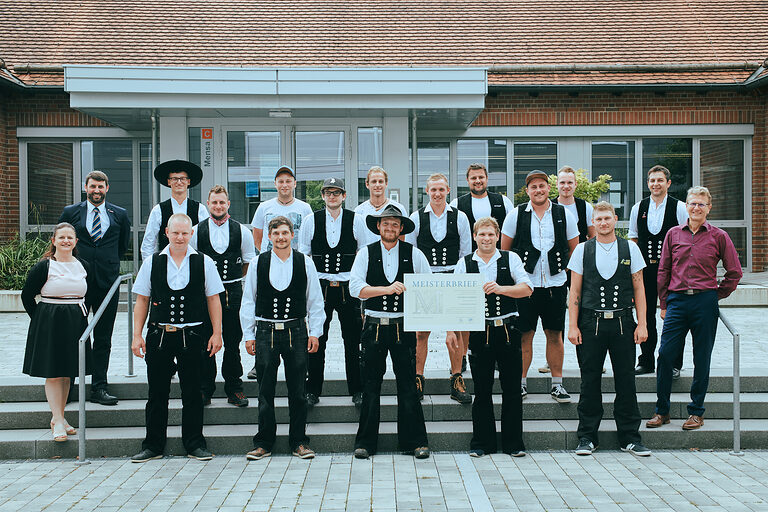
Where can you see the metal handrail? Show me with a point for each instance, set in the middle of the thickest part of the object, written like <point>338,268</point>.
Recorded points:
<point>88,333</point>
<point>736,386</point>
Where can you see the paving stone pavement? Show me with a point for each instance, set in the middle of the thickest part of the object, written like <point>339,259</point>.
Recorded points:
<point>754,351</point>
<point>551,481</point>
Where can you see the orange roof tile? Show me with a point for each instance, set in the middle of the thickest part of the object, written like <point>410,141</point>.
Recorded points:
<point>392,33</point>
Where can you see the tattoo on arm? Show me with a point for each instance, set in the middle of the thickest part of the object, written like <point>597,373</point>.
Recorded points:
<point>637,275</point>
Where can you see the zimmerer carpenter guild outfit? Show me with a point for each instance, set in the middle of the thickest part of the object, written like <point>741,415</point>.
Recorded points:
<point>382,333</point>
<point>277,298</point>
<point>649,224</point>
<point>607,326</point>
<point>492,205</point>
<point>230,246</point>
<point>58,320</point>
<point>498,344</point>
<point>332,245</point>
<point>177,331</point>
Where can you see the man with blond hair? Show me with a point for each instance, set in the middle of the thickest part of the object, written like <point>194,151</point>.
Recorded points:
<point>376,182</point>
<point>498,345</point>
<point>606,280</point>
<point>688,299</point>
<point>444,235</point>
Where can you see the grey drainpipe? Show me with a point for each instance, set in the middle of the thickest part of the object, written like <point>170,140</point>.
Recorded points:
<point>757,73</point>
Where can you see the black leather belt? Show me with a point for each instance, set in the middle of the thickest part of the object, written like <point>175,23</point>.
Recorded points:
<point>608,315</point>
<point>279,326</point>
<point>383,321</point>
<point>498,322</point>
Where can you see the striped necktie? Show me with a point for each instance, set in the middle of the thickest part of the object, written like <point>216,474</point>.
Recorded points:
<point>96,226</point>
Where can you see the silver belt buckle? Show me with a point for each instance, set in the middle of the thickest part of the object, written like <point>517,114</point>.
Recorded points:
<point>689,292</point>
<point>608,315</point>
<point>384,321</point>
<point>279,326</point>
<point>498,322</point>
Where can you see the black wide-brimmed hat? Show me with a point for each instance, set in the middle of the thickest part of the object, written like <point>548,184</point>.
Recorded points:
<point>390,211</point>
<point>194,172</point>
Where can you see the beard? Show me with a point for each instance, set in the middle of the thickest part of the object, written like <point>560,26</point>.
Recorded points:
<point>96,198</point>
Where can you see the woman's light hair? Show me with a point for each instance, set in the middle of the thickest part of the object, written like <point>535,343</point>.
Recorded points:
<point>485,222</point>
<point>699,191</point>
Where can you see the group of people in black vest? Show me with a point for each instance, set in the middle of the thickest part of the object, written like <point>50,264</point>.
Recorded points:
<point>202,287</point>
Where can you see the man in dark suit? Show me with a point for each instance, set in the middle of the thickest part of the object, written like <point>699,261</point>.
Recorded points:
<point>104,234</point>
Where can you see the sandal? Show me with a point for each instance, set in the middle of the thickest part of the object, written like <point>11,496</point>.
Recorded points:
<point>71,431</point>
<point>59,433</point>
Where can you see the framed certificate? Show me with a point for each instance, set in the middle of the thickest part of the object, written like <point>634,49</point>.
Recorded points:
<point>444,302</point>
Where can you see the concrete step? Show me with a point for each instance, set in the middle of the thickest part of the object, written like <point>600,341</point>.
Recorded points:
<point>129,413</point>
<point>339,438</point>
<point>753,380</point>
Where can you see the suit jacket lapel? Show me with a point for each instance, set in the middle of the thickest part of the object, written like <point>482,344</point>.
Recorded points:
<point>84,216</point>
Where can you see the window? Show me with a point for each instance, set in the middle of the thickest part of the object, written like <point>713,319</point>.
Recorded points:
<point>369,154</point>
<point>49,181</point>
<point>491,153</point>
<point>722,172</point>
<point>252,159</point>
<point>674,154</point>
<point>319,155</point>
<point>530,156</point>
<point>115,159</point>
<point>618,160</point>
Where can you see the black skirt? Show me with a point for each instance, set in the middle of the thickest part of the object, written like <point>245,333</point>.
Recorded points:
<point>52,341</point>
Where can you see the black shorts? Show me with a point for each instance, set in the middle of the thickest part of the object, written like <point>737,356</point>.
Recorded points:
<point>549,304</point>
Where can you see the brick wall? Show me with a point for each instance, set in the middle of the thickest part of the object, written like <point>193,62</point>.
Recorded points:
<point>640,108</point>
<point>34,109</point>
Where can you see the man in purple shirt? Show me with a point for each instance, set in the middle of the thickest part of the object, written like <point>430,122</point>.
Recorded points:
<point>688,295</point>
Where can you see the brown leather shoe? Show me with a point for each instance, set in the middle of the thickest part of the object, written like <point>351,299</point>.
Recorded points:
<point>693,422</point>
<point>657,420</point>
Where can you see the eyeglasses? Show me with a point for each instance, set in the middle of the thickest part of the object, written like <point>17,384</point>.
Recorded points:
<point>178,180</point>
<point>698,205</point>
<point>334,193</point>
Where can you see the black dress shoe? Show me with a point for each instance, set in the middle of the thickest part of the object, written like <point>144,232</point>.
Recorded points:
<point>206,399</point>
<point>251,375</point>
<point>357,399</point>
<point>312,399</point>
<point>146,455</point>
<point>642,370</point>
<point>100,396</point>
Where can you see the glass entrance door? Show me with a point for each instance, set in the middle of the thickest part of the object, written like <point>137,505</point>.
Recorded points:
<point>319,155</point>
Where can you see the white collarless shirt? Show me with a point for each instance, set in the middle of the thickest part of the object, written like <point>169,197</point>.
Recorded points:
<point>219,236</point>
<point>178,277</point>
<point>280,276</point>
<point>438,226</point>
<point>390,259</point>
<point>543,239</point>
<point>655,216</point>
<point>103,217</point>
<point>489,271</point>
<point>365,209</point>
<point>332,236</point>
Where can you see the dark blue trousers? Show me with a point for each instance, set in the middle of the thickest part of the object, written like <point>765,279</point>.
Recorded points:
<point>698,314</point>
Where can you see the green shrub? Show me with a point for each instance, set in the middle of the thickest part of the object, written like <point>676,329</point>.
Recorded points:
<point>585,189</point>
<point>17,256</point>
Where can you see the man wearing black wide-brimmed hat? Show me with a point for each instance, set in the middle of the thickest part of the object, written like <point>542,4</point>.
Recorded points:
<point>179,176</point>
<point>377,277</point>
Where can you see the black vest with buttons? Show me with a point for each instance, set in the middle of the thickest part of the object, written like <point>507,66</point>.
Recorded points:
<point>375,277</point>
<point>601,294</point>
<point>338,259</point>
<point>166,210</point>
<point>650,244</point>
<point>498,211</point>
<point>230,262</point>
<point>496,305</point>
<point>581,211</point>
<point>523,245</point>
<point>290,303</point>
<point>185,306</point>
<point>446,251</point>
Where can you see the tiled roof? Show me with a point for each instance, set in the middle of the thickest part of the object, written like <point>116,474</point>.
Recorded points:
<point>392,33</point>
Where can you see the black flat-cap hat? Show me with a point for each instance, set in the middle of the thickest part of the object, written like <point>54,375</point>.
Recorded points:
<point>285,168</point>
<point>536,174</point>
<point>333,183</point>
<point>390,211</point>
<point>194,172</point>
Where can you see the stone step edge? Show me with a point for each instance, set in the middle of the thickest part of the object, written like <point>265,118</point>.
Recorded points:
<point>330,438</point>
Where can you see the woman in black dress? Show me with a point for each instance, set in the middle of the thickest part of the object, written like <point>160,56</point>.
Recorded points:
<point>57,322</point>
